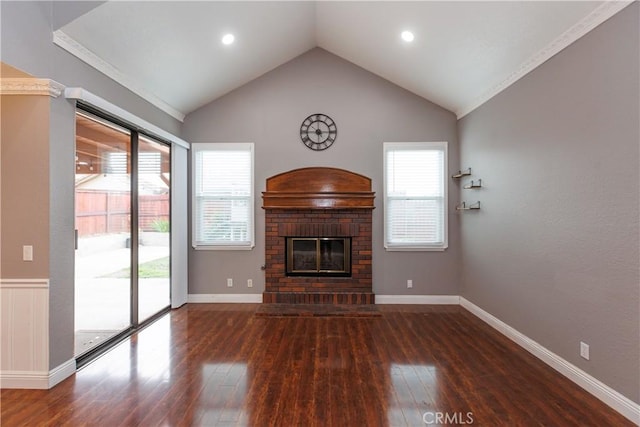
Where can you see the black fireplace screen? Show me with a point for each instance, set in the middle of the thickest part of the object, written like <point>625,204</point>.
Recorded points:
<point>318,256</point>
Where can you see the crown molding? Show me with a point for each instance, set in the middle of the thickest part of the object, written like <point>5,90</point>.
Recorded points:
<point>599,15</point>
<point>76,49</point>
<point>30,86</point>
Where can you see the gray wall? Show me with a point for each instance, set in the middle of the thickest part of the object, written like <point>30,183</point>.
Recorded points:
<point>368,111</point>
<point>554,250</point>
<point>61,230</point>
<point>26,44</point>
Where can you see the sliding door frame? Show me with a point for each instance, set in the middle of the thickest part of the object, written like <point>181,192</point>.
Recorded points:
<point>134,325</point>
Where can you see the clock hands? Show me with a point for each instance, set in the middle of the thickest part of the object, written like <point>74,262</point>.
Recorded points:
<point>317,131</point>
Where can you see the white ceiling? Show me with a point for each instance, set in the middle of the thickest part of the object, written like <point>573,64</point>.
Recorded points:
<point>464,52</point>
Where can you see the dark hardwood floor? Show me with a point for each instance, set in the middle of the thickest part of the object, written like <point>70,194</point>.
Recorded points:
<point>220,365</point>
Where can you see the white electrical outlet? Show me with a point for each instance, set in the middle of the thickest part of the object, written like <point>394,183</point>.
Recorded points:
<point>229,283</point>
<point>409,283</point>
<point>249,283</point>
<point>584,350</point>
<point>27,253</point>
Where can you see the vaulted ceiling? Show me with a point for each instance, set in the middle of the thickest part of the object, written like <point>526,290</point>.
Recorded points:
<point>170,52</point>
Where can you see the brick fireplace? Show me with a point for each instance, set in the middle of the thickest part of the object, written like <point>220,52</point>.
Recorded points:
<point>318,203</point>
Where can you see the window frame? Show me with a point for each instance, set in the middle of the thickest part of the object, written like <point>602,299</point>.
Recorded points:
<point>418,246</point>
<point>222,146</point>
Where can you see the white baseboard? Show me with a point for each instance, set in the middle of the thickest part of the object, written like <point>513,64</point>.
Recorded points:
<point>24,379</point>
<point>62,372</point>
<point>224,298</point>
<point>42,380</point>
<point>614,399</point>
<point>418,299</point>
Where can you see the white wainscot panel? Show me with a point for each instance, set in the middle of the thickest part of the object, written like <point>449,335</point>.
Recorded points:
<point>24,320</point>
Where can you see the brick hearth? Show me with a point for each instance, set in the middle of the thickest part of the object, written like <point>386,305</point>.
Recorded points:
<point>321,210</point>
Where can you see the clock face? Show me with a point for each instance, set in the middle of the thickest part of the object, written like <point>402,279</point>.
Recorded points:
<point>318,132</point>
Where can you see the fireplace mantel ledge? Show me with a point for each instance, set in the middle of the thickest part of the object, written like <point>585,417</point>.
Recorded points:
<point>293,200</point>
<point>318,188</point>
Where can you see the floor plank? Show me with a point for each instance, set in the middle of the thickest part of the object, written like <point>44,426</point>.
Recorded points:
<point>223,365</point>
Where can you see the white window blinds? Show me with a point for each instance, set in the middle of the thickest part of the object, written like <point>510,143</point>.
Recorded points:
<point>415,188</point>
<point>223,196</point>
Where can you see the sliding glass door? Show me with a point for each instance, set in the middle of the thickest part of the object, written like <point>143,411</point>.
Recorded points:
<point>154,167</point>
<point>122,199</point>
<point>103,232</point>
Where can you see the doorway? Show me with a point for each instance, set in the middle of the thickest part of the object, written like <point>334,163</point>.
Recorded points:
<point>122,220</point>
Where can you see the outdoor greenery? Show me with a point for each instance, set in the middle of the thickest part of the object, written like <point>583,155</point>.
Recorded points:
<point>158,268</point>
<point>161,225</point>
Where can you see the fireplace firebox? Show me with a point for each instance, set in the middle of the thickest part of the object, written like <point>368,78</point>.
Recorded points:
<point>318,256</point>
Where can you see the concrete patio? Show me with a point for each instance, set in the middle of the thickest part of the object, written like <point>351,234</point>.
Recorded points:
<point>102,303</point>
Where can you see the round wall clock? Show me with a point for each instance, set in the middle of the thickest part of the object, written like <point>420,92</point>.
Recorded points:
<point>318,132</point>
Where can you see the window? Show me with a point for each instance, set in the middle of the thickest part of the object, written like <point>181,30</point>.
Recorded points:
<point>415,196</point>
<point>223,196</point>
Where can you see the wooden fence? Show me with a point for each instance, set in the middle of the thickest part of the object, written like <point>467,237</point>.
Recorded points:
<point>104,212</point>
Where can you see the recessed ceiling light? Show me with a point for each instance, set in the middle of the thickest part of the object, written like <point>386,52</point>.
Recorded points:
<point>407,36</point>
<point>228,39</point>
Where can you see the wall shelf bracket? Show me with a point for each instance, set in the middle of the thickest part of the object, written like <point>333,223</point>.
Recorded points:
<point>473,184</point>
<point>464,207</point>
<point>461,173</point>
